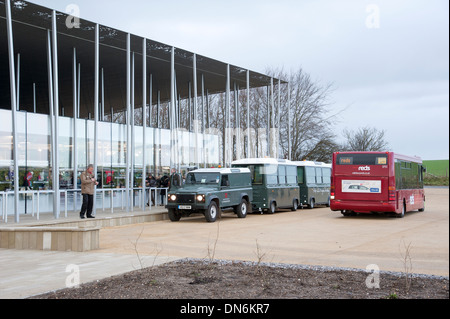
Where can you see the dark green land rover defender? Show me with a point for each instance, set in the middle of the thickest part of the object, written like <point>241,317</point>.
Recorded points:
<point>209,191</point>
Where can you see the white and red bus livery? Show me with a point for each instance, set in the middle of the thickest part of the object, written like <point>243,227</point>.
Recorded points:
<point>366,182</point>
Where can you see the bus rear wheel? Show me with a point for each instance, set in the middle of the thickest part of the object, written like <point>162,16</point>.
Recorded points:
<point>348,213</point>
<point>312,203</point>
<point>422,209</point>
<point>402,214</point>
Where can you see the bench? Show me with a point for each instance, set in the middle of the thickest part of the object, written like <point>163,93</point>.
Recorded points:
<point>75,239</point>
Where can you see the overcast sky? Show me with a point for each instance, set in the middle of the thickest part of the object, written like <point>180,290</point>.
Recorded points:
<point>388,60</point>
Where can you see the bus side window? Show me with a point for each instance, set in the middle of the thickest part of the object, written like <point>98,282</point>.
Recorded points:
<point>326,172</point>
<point>281,174</point>
<point>271,172</point>
<point>318,175</point>
<point>291,175</point>
<point>257,175</point>
<point>310,175</point>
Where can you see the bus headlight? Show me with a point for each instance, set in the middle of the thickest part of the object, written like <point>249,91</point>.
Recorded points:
<point>200,198</point>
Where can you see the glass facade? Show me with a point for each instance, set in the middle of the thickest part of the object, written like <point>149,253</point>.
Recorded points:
<point>35,163</point>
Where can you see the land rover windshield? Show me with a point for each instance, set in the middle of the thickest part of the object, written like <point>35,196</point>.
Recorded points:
<point>203,179</point>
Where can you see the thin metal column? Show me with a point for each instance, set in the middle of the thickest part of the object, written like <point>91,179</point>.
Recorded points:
<point>144,118</point>
<point>56,198</point>
<point>195,122</point>
<point>96,110</point>
<point>128,94</point>
<point>289,122</point>
<point>237,122</point>
<point>172,112</point>
<point>18,82</point>
<point>75,131</point>
<point>158,130</point>
<point>203,121</point>
<point>12,81</point>
<point>272,128</point>
<point>34,98</point>
<point>278,120</point>
<point>79,90</point>
<point>102,115</point>
<point>268,121</point>
<point>248,116</point>
<point>132,146</point>
<point>228,144</point>
<point>51,110</point>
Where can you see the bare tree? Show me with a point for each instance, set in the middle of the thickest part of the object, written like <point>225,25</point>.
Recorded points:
<point>311,117</point>
<point>366,139</point>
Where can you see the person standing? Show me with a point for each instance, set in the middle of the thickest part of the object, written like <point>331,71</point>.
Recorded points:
<point>88,183</point>
<point>151,183</point>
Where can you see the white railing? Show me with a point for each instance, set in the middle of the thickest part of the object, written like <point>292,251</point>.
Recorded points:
<point>113,192</point>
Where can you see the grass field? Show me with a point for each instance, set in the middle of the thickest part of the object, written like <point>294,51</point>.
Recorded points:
<point>437,168</point>
<point>437,173</point>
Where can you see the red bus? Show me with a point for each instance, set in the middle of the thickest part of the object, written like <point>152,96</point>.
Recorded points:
<point>376,182</point>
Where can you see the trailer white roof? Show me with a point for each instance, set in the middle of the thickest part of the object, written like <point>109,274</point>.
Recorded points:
<point>312,164</point>
<point>222,171</point>
<point>268,161</point>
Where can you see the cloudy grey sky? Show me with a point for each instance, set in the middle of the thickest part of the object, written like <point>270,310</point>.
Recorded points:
<point>388,60</point>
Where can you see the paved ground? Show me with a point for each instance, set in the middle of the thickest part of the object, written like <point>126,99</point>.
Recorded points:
<point>315,237</point>
<point>312,237</point>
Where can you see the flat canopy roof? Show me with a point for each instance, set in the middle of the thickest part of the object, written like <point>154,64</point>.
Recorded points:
<point>31,23</point>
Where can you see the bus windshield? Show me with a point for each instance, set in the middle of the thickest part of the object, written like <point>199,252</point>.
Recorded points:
<point>362,159</point>
<point>202,178</point>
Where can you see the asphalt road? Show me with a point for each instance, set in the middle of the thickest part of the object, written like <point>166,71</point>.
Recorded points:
<point>308,237</point>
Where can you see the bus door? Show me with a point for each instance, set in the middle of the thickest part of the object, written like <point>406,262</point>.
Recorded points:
<point>361,177</point>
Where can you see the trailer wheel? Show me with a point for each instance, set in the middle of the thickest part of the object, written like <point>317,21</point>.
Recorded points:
<point>294,205</point>
<point>311,203</point>
<point>273,208</point>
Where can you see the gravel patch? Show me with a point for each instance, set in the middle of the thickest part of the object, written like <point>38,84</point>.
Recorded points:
<point>220,279</point>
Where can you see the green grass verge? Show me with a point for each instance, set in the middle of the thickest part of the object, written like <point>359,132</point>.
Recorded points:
<point>437,168</point>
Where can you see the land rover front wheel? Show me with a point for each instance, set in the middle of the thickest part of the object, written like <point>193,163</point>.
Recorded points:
<point>242,209</point>
<point>174,215</point>
<point>212,212</point>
